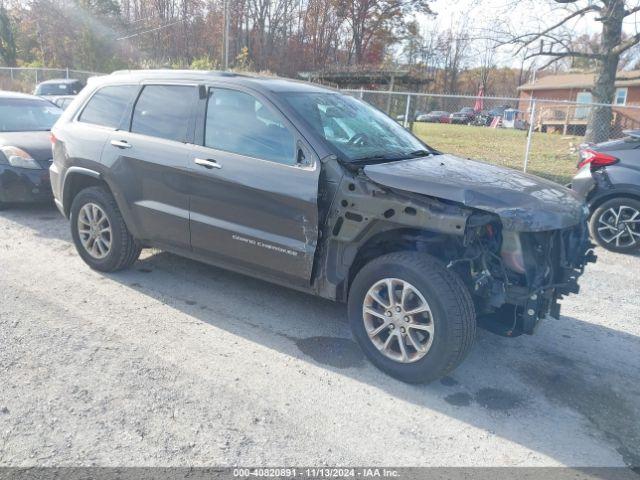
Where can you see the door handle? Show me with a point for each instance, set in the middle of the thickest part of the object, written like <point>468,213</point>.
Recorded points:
<point>207,163</point>
<point>120,144</point>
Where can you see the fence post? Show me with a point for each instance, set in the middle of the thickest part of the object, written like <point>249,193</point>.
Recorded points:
<point>361,93</point>
<point>67,73</point>
<point>11,71</point>
<point>391,85</point>
<point>36,76</point>
<point>406,111</point>
<point>532,119</point>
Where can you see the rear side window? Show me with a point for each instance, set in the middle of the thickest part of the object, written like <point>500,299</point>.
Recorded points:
<point>239,123</point>
<point>108,105</point>
<point>165,111</point>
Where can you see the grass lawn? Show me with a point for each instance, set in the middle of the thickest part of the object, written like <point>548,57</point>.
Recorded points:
<point>551,154</point>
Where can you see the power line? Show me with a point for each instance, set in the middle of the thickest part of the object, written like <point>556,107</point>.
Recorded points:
<point>142,19</point>
<point>152,29</point>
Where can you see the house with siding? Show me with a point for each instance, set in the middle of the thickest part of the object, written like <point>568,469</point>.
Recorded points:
<point>555,115</point>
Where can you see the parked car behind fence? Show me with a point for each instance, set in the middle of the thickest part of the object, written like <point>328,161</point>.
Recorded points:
<point>434,117</point>
<point>465,116</point>
<point>58,87</point>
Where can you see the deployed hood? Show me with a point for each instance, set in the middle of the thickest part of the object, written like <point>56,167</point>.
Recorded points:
<point>523,202</point>
<point>36,144</point>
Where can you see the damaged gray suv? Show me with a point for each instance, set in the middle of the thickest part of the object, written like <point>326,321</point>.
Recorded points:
<point>308,188</point>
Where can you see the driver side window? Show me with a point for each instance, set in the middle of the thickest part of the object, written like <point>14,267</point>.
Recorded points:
<point>239,123</point>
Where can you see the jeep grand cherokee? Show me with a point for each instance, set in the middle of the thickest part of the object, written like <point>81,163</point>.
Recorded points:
<point>309,188</point>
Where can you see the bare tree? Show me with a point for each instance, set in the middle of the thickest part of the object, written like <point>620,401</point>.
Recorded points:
<point>555,43</point>
<point>7,40</point>
<point>369,19</point>
<point>321,30</point>
<point>453,47</point>
<point>485,55</point>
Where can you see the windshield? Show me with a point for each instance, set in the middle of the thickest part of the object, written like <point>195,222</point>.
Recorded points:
<point>26,115</point>
<point>357,130</point>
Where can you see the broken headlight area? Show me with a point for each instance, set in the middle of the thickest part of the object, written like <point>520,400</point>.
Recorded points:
<point>517,278</point>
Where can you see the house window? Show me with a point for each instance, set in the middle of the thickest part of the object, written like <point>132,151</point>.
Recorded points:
<point>581,113</point>
<point>621,96</point>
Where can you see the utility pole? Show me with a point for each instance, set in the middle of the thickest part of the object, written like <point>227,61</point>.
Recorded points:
<point>226,34</point>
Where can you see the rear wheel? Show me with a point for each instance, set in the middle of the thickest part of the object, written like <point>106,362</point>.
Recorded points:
<point>99,232</point>
<point>615,225</point>
<point>413,318</point>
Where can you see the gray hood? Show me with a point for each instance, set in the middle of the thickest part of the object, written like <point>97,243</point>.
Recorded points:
<point>523,202</point>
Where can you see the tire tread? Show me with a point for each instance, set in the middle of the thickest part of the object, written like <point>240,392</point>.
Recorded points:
<point>131,249</point>
<point>455,298</point>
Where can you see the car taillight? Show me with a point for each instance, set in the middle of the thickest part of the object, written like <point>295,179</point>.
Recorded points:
<point>596,159</point>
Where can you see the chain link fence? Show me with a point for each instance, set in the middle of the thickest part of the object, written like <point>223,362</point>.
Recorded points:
<point>534,135</point>
<point>540,136</point>
<point>23,79</point>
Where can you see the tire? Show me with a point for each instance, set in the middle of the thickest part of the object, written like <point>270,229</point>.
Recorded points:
<point>123,250</point>
<point>452,316</point>
<point>621,235</point>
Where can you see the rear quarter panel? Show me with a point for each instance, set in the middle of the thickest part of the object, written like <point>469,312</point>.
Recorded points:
<point>622,179</point>
<point>80,144</point>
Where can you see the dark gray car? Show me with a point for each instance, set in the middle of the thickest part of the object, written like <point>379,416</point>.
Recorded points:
<point>25,148</point>
<point>317,191</point>
<point>58,87</point>
<point>609,179</point>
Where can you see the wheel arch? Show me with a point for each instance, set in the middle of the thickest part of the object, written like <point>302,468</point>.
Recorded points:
<point>396,240</point>
<point>349,259</point>
<point>77,179</point>
<point>598,200</point>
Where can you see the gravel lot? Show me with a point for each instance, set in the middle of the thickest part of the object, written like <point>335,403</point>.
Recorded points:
<point>177,363</point>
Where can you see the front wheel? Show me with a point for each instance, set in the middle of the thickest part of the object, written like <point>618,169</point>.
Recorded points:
<point>615,225</point>
<point>413,318</point>
<point>99,232</point>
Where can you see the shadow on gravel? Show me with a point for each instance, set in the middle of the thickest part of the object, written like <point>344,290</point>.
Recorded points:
<point>570,367</point>
<point>569,364</point>
<point>42,218</point>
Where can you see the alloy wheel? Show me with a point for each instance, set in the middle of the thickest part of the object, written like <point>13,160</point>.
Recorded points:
<point>94,230</point>
<point>620,226</point>
<point>398,320</point>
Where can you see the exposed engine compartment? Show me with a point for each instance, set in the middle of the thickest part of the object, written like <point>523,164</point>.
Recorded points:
<point>515,276</point>
<point>527,271</point>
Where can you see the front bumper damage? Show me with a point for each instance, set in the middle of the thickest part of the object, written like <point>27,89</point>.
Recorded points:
<point>519,295</point>
<point>553,262</point>
<point>516,261</point>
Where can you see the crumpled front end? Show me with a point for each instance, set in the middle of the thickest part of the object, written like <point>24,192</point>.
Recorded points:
<point>516,262</point>
<point>519,277</point>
